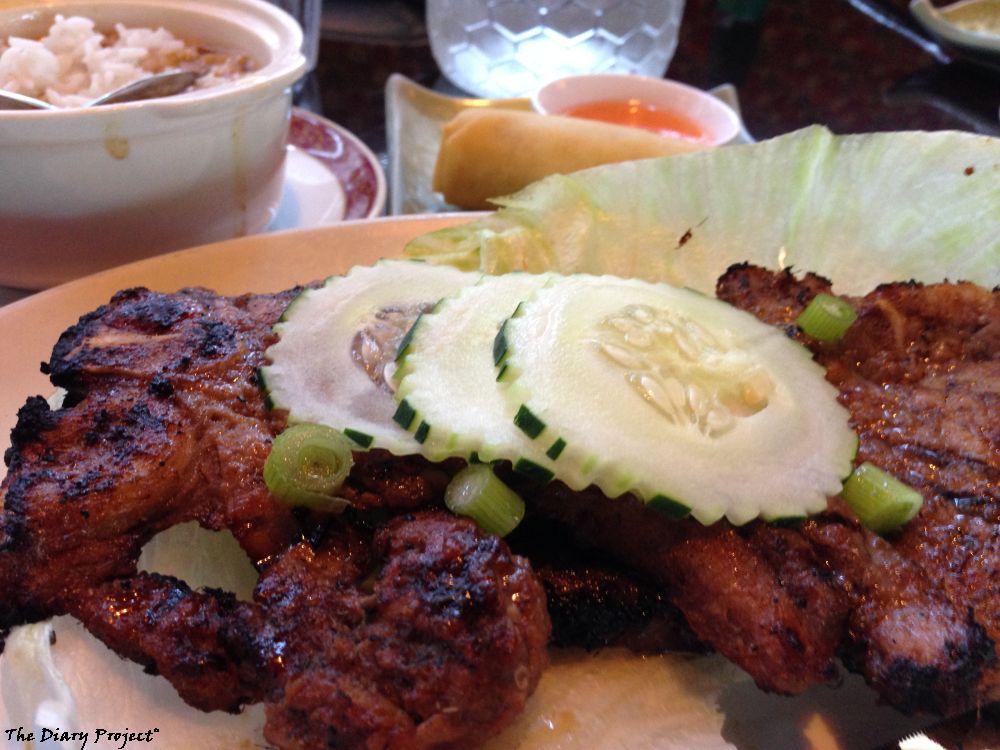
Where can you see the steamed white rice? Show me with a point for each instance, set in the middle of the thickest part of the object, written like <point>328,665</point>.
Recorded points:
<point>74,63</point>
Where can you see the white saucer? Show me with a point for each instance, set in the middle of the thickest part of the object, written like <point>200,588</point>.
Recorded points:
<point>312,196</point>
<point>330,176</point>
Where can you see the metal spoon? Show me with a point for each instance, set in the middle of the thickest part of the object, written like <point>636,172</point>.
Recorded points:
<point>10,100</point>
<point>161,84</point>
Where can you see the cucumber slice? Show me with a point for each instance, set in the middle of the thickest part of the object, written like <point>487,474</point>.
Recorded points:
<point>447,380</point>
<point>334,344</point>
<point>677,398</point>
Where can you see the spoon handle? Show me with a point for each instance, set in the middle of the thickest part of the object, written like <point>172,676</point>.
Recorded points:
<point>161,84</point>
<point>10,100</point>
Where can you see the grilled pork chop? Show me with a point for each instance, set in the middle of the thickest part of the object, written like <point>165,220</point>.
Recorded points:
<point>918,612</point>
<point>781,602</point>
<point>920,374</point>
<point>416,630</point>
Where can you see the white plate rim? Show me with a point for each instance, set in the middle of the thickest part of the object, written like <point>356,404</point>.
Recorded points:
<point>268,263</point>
<point>259,263</point>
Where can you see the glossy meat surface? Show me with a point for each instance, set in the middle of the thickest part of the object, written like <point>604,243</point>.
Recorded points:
<point>440,649</point>
<point>163,423</point>
<point>426,634</point>
<point>917,612</point>
<point>166,423</point>
<point>378,630</point>
<point>920,373</point>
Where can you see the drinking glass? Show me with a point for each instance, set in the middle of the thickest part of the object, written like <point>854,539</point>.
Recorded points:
<point>501,48</point>
<point>309,14</point>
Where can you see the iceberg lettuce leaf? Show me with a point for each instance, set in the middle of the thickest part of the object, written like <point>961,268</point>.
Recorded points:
<point>858,209</point>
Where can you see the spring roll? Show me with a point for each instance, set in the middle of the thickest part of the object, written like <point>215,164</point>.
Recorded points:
<point>488,153</point>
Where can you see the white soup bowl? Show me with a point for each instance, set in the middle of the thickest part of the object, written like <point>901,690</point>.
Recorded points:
<point>85,189</point>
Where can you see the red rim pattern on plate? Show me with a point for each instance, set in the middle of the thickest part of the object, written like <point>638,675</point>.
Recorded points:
<point>343,155</point>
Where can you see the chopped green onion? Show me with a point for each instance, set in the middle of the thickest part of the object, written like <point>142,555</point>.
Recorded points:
<point>880,501</point>
<point>476,492</point>
<point>826,317</point>
<point>307,466</point>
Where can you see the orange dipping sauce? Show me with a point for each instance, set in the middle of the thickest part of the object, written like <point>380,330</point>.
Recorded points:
<point>634,113</point>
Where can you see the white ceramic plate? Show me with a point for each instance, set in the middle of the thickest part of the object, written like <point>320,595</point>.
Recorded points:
<point>611,700</point>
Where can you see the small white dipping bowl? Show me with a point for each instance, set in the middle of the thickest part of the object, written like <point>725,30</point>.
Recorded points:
<point>86,189</point>
<point>717,120</point>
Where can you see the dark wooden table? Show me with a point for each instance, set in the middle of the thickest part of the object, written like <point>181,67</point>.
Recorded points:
<point>852,65</point>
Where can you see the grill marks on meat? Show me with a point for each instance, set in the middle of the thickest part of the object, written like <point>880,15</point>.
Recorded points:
<point>920,373</point>
<point>416,632</point>
<point>212,648</point>
<point>428,634</point>
<point>917,613</point>
<point>919,649</point>
<point>163,423</point>
<point>779,630</point>
<point>441,652</point>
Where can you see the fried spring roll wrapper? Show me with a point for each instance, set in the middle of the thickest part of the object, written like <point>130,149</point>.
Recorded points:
<point>488,153</point>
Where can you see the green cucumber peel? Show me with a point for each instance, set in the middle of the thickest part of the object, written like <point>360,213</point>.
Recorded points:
<point>361,439</point>
<point>675,397</point>
<point>528,423</point>
<point>325,384</point>
<point>668,507</point>
<point>446,383</point>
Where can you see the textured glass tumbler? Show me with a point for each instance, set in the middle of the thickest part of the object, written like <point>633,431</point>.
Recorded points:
<point>501,48</point>
<point>309,15</point>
